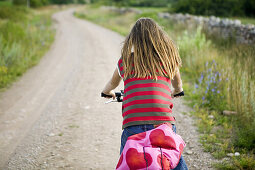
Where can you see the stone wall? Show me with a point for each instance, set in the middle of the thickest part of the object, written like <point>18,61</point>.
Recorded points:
<point>224,28</point>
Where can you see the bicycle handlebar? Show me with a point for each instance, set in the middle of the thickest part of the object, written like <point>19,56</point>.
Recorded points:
<point>121,93</point>
<point>179,94</point>
<point>117,94</point>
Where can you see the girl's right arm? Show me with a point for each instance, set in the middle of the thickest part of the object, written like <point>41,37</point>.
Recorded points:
<point>112,84</point>
<point>177,83</point>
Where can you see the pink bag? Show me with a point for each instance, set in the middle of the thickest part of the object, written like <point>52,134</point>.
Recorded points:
<point>159,148</point>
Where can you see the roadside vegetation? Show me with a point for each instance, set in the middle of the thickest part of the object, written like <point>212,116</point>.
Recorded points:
<point>219,77</point>
<point>25,36</point>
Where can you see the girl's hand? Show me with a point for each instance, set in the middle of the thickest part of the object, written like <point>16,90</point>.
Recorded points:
<point>177,91</point>
<point>111,93</point>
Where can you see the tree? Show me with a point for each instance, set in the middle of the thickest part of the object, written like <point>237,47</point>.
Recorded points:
<point>19,2</point>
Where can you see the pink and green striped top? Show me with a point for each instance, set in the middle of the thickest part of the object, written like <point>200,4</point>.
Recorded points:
<point>146,101</point>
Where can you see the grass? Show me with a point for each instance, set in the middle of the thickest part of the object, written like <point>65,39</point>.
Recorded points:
<point>5,3</point>
<point>25,36</point>
<point>216,80</point>
<point>245,20</point>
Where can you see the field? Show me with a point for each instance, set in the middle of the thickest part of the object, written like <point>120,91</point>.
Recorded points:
<point>218,78</point>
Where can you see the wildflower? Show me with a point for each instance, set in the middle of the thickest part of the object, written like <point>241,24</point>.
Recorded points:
<point>203,98</point>
<point>196,86</point>
<point>208,83</point>
<point>201,78</point>
<point>213,90</point>
<point>227,79</point>
<point>218,91</point>
<point>215,64</point>
<point>215,75</point>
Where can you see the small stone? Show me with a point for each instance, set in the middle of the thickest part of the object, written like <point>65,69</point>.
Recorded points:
<point>211,117</point>
<point>227,112</point>
<point>189,152</point>
<point>87,107</point>
<point>191,146</point>
<point>237,154</point>
<point>6,122</point>
<point>51,134</point>
<point>230,154</point>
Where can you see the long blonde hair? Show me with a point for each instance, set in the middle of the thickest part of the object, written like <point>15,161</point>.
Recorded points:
<point>149,52</point>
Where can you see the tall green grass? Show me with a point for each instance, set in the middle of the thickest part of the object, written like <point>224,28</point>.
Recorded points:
<point>220,76</point>
<point>25,35</point>
<point>5,3</point>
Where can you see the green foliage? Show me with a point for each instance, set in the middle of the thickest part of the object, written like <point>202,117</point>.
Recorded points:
<point>218,8</point>
<point>5,3</point>
<point>135,3</point>
<point>39,3</point>
<point>19,2</point>
<point>249,7</point>
<point>245,136</point>
<point>12,32</point>
<point>246,162</point>
<point>62,1</point>
<point>32,3</point>
<point>22,42</point>
<point>12,13</point>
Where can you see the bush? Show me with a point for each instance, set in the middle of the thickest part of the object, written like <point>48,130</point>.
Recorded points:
<point>13,13</point>
<point>23,40</point>
<point>62,1</point>
<point>12,32</point>
<point>219,8</point>
<point>36,3</point>
<point>19,2</point>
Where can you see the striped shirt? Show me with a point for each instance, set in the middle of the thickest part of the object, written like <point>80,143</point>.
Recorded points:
<point>146,101</point>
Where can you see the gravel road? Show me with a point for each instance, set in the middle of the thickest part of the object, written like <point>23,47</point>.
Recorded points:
<point>53,117</point>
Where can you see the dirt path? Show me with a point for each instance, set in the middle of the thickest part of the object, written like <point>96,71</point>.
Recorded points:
<point>53,117</point>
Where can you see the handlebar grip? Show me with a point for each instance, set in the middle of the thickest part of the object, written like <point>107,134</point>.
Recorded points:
<point>179,94</point>
<point>105,95</point>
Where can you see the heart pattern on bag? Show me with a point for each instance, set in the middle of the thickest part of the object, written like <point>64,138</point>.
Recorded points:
<point>135,160</point>
<point>159,139</point>
<point>138,136</point>
<point>152,150</point>
<point>165,162</point>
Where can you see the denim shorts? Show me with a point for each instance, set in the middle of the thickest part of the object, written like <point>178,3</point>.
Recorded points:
<point>132,130</point>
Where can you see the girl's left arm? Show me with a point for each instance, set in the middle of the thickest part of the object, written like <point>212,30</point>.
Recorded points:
<point>112,84</point>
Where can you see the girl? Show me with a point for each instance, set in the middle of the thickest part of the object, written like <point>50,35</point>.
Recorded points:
<point>148,65</point>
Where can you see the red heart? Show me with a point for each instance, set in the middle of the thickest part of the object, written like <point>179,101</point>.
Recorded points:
<point>181,147</point>
<point>181,150</point>
<point>158,139</point>
<point>138,136</point>
<point>135,160</point>
<point>120,161</point>
<point>165,162</point>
